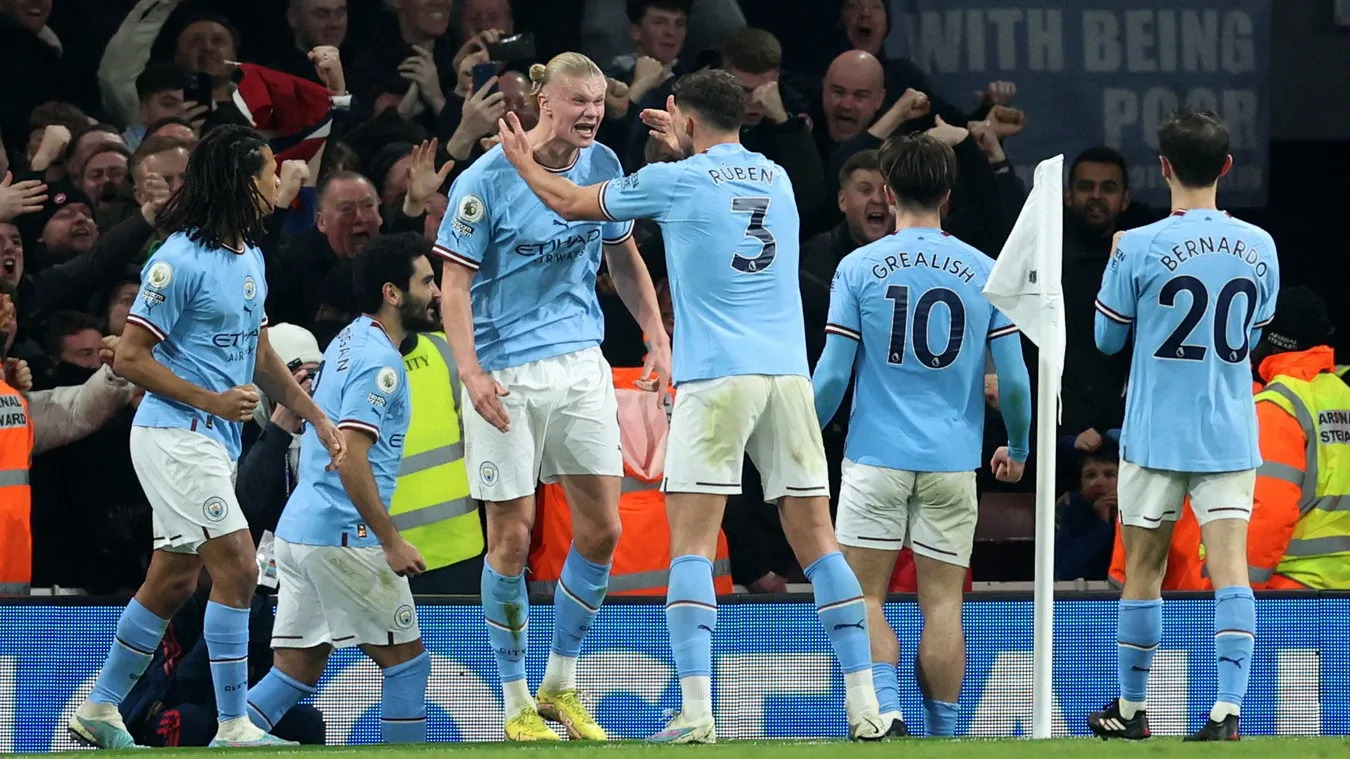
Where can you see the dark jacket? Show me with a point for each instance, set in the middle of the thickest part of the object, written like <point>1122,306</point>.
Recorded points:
<point>72,284</point>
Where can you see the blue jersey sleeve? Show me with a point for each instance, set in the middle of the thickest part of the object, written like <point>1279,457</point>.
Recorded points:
<point>645,194</point>
<point>368,396</point>
<point>1267,287</point>
<point>466,231</point>
<point>1000,325</point>
<point>1116,298</point>
<point>844,317</point>
<point>168,284</point>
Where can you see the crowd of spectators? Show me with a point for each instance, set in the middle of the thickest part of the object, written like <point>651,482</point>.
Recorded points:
<point>103,102</point>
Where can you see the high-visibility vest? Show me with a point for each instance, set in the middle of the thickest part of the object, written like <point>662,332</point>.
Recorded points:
<point>642,558</point>
<point>1318,555</point>
<point>16,532</point>
<point>431,506</point>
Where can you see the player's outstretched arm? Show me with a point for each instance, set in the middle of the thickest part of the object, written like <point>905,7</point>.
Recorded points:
<point>277,382</point>
<point>135,362</point>
<point>457,319</point>
<point>559,193</point>
<point>830,379</point>
<point>1014,393</point>
<point>634,284</point>
<point>358,479</point>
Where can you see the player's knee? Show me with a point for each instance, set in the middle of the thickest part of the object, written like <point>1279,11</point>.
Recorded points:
<point>508,554</point>
<point>234,578</point>
<point>600,539</point>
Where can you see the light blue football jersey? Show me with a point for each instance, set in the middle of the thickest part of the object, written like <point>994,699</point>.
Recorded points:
<point>731,230</point>
<point>534,295</point>
<point>206,307</point>
<point>914,300</point>
<point>362,385</point>
<point>1196,287</point>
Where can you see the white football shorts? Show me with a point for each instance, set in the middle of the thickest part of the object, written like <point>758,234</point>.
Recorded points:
<point>340,595</point>
<point>188,478</point>
<point>1149,497</point>
<point>716,422</point>
<point>933,513</point>
<point>564,421</point>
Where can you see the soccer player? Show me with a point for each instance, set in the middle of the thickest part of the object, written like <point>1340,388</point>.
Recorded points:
<point>196,340</point>
<point>522,319</point>
<point>909,311</point>
<point>731,231</point>
<point>343,566</point>
<point>1196,287</point>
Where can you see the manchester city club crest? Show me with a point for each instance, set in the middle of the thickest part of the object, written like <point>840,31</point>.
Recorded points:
<point>250,288</point>
<point>403,617</point>
<point>215,509</point>
<point>488,473</point>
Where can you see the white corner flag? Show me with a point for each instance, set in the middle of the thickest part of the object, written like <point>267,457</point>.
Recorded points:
<point>1025,285</point>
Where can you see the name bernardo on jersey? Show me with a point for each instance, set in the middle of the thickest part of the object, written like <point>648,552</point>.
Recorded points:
<point>1206,246</point>
<point>941,262</point>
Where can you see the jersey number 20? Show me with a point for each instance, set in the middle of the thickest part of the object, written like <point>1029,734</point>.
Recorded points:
<point>757,208</point>
<point>923,311</point>
<point>1175,347</point>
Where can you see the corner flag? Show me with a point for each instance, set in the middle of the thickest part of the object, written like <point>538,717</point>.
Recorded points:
<point>1025,285</point>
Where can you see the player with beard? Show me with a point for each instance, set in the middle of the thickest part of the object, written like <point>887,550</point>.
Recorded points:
<point>342,563</point>
<point>523,321</point>
<point>731,227</point>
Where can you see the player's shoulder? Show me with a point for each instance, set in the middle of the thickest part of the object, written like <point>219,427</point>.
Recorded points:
<point>1250,229</point>
<point>175,259</point>
<point>602,158</point>
<point>486,171</point>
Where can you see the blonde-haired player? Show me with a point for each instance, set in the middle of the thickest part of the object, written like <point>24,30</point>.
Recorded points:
<point>522,318</point>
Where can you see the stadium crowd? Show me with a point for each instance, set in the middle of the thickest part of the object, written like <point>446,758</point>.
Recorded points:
<point>373,109</point>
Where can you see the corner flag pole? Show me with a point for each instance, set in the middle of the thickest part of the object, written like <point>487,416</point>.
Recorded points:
<point>1042,694</point>
<point>1025,285</point>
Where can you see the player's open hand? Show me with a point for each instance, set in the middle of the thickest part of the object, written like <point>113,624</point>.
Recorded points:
<point>332,440</point>
<point>485,392</point>
<point>515,141</point>
<point>237,403</point>
<point>404,558</point>
<point>656,369</point>
<point>1005,469</point>
<point>662,125</point>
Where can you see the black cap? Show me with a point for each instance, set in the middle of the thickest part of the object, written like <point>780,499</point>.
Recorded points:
<point>59,195</point>
<point>1301,321</point>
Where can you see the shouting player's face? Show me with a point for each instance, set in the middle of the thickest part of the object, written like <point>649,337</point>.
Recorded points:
<point>267,182</point>
<point>576,105</point>
<point>418,310</point>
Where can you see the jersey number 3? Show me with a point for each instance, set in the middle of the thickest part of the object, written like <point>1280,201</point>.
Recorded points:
<point>757,208</point>
<point>1175,347</point>
<point>923,312</point>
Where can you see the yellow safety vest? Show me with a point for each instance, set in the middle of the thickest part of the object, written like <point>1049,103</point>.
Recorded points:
<point>431,507</point>
<point>1319,551</point>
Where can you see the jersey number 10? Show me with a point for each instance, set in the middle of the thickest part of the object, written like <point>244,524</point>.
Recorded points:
<point>1175,347</point>
<point>923,311</point>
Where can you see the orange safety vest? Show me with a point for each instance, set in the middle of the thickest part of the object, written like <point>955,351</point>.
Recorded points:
<point>1275,508</point>
<point>642,558</point>
<point>16,454</point>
